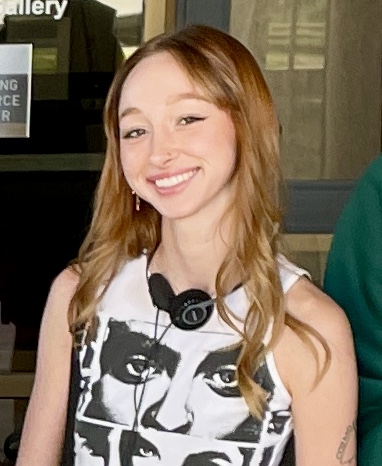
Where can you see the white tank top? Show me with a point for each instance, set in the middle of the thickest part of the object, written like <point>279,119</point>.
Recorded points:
<point>175,402</point>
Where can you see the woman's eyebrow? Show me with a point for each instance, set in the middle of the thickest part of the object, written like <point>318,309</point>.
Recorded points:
<point>129,111</point>
<point>171,100</point>
<point>186,96</point>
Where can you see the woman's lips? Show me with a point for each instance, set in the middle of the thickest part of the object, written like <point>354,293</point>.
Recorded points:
<point>172,181</point>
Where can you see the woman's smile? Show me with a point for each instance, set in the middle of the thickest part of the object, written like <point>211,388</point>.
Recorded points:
<point>167,184</point>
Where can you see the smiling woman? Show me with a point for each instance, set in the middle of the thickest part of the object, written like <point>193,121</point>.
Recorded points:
<point>170,140</point>
<point>197,341</point>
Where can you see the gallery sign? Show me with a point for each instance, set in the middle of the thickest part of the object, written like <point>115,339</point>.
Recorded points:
<point>15,90</point>
<point>55,8</point>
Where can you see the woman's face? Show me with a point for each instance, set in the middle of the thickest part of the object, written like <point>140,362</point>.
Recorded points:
<point>178,149</point>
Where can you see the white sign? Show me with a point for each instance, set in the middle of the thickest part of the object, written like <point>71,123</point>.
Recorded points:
<point>56,8</point>
<point>15,90</point>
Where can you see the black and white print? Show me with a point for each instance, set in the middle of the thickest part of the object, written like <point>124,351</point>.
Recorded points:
<point>154,394</point>
<point>107,447</point>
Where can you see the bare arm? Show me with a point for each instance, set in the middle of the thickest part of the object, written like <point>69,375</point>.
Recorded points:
<point>44,426</point>
<point>325,413</point>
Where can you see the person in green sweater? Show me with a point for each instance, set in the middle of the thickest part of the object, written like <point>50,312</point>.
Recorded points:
<point>353,278</point>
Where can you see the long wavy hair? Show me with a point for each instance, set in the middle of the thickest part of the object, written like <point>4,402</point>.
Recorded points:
<point>230,77</point>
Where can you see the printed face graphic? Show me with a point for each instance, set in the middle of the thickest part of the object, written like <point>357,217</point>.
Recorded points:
<point>108,447</point>
<point>152,394</point>
<point>185,389</point>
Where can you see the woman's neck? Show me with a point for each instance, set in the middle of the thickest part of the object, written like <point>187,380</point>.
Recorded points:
<point>191,253</point>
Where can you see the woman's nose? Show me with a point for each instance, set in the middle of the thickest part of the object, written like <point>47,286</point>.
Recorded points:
<point>163,147</point>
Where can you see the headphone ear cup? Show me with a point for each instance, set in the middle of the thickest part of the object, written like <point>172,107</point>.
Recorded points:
<point>185,313</point>
<point>161,291</point>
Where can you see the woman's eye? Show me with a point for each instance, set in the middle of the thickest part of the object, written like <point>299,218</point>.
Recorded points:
<point>223,381</point>
<point>189,119</point>
<point>134,134</point>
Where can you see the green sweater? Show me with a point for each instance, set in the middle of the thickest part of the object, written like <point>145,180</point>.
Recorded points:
<point>353,278</point>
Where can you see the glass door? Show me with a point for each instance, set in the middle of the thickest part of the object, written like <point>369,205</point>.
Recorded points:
<point>322,61</point>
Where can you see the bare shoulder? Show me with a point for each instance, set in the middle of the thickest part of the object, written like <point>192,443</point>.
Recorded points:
<point>296,360</point>
<point>65,282</point>
<point>308,304</point>
<point>62,289</point>
<point>54,331</point>
<point>55,316</point>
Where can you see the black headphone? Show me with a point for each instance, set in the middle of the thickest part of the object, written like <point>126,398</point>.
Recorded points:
<point>188,310</point>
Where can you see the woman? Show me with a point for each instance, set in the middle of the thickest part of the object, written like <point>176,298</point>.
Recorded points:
<point>198,333</point>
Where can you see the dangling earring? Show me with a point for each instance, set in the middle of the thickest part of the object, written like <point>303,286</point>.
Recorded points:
<point>137,201</point>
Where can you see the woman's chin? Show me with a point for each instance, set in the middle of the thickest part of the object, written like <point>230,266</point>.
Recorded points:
<point>177,212</point>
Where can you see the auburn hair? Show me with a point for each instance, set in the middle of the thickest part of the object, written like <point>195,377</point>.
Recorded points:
<point>230,77</point>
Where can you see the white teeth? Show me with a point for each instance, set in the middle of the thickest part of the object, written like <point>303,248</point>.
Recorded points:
<point>174,180</point>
